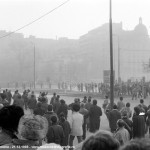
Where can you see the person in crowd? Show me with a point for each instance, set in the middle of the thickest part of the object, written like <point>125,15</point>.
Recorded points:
<point>53,99</point>
<point>32,103</point>
<point>138,124</point>
<point>148,121</point>
<point>19,101</point>
<point>49,114</point>
<point>9,96</point>
<point>122,134</point>
<point>114,116</point>
<point>76,122</point>
<point>127,109</point>
<point>105,103</point>
<point>94,117</point>
<point>143,105</point>
<point>38,109</point>
<point>66,128</point>
<point>55,132</point>
<point>44,104</point>
<point>102,140</point>
<point>84,112</point>
<point>137,144</point>
<point>129,122</point>
<point>56,105</point>
<point>88,106</point>
<point>84,100</point>
<point>9,120</point>
<point>4,101</point>
<point>63,108</point>
<point>76,101</point>
<point>25,99</point>
<point>31,131</point>
<point>120,104</point>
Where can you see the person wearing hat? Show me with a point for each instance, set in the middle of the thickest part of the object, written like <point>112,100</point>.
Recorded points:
<point>31,131</point>
<point>9,120</point>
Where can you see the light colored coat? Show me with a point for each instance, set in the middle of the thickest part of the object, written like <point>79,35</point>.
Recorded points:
<point>76,121</point>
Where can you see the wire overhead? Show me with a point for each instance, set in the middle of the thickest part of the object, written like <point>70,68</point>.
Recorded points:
<point>34,20</point>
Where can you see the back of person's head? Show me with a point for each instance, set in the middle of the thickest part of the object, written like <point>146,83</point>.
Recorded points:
<point>62,101</point>
<point>115,106</point>
<point>50,107</point>
<point>94,102</point>
<point>141,101</point>
<point>3,96</point>
<point>89,99</point>
<point>54,119</point>
<point>137,144</point>
<point>106,97</point>
<point>32,96</point>
<point>127,104</point>
<point>102,140</point>
<point>121,98</point>
<point>9,117</point>
<point>137,110</point>
<point>82,105</point>
<point>76,107</point>
<point>120,123</point>
<point>54,94</point>
<point>33,127</point>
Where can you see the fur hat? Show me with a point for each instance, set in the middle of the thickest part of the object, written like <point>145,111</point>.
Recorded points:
<point>33,127</point>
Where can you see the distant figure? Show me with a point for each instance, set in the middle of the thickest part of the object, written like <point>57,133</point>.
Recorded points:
<point>120,104</point>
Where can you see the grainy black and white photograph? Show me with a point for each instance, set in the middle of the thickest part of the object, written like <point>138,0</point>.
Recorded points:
<point>74,74</point>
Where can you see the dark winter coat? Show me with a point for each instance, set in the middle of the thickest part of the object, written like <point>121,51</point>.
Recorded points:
<point>94,117</point>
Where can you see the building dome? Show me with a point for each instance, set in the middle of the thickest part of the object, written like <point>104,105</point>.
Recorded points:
<point>140,29</point>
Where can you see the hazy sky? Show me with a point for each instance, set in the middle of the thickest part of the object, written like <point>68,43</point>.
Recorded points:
<point>72,20</point>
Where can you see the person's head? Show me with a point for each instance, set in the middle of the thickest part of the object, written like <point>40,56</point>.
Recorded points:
<point>94,102</point>
<point>106,97</point>
<point>9,118</point>
<point>82,105</point>
<point>124,114</point>
<point>33,127</point>
<point>50,107</point>
<point>76,100</point>
<point>121,98</point>
<point>137,110</point>
<point>62,101</point>
<point>102,140</point>
<point>54,94</point>
<point>114,106</point>
<point>62,116</point>
<point>54,119</point>
<point>89,99</point>
<point>3,96</point>
<point>120,123</point>
<point>141,101</point>
<point>127,104</point>
<point>76,107</point>
<point>137,144</point>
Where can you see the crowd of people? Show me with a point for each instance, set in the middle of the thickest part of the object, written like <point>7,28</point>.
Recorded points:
<point>31,122</point>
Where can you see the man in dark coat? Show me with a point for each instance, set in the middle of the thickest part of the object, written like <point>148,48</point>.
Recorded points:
<point>94,116</point>
<point>63,108</point>
<point>138,124</point>
<point>114,115</point>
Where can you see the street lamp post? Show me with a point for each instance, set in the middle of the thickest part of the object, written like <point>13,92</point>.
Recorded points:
<point>34,68</point>
<point>111,61</point>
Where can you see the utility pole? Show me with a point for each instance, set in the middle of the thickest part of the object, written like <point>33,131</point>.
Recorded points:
<point>111,60</point>
<point>34,68</point>
<point>119,78</point>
